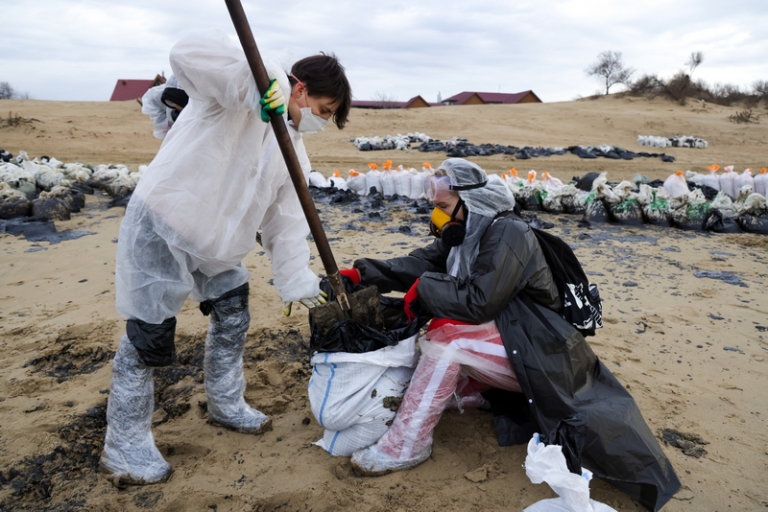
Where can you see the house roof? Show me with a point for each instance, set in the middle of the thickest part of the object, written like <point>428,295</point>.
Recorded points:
<point>389,104</point>
<point>133,89</point>
<point>489,97</point>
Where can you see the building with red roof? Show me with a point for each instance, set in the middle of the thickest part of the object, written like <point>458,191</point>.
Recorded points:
<point>484,98</point>
<point>463,98</point>
<point>134,89</point>
<point>415,102</point>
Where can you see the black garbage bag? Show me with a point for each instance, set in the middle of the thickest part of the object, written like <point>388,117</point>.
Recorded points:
<point>690,217</point>
<point>82,187</point>
<point>753,224</point>
<point>53,208</point>
<point>627,212</point>
<point>527,198</point>
<point>356,338</point>
<point>572,204</point>
<point>11,209</point>
<point>570,434</point>
<point>597,212</point>
<point>77,200</point>
<point>585,182</point>
<point>709,192</point>
<point>551,203</point>
<point>718,223</point>
<point>656,212</point>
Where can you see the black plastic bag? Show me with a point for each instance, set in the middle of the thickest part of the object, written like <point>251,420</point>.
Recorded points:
<point>627,212</point>
<point>718,223</point>
<point>753,224</point>
<point>350,336</point>
<point>51,207</point>
<point>585,182</point>
<point>570,434</point>
<point>11,209</point>
<point>690,217</point>
<point>597,212</point>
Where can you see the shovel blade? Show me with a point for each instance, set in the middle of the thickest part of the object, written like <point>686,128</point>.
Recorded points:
<point>365,309</point>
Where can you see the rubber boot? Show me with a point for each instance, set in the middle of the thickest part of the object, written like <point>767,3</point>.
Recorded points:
<point>408,442</point>
<point>223,364</point>
<point>130,456</point>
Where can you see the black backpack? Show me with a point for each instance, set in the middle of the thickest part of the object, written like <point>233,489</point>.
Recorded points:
<point>582,305</point>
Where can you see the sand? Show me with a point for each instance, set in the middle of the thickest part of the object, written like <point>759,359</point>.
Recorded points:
<point>692,351</point>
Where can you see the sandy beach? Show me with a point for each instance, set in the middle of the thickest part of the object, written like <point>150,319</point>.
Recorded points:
<point>693,351</point>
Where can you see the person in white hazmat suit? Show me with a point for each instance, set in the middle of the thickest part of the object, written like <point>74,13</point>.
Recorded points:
<point>218,176</point>
<point>163,104</point>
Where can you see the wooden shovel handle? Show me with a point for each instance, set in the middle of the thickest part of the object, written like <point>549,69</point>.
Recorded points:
<point>253,56</point>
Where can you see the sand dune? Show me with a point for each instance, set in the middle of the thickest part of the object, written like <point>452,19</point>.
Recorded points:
<point>692,351</point>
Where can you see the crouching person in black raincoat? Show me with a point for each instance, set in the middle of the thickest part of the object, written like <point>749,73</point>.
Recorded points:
<point>497,326</point>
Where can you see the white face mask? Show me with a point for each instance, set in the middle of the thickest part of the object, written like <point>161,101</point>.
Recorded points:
<point>310,122</point>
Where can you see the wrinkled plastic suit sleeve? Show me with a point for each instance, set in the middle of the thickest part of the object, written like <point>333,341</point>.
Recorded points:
<point>209,67</point>
<point>284,234</point>
<point>495,279</point>
<point>399,274</point>
<point>157,112</point>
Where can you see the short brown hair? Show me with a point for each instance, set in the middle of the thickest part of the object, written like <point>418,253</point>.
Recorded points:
<point>324,76</point>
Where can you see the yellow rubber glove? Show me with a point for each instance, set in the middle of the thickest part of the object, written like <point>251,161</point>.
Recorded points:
<point>309,302</point>
<point>273,99</point>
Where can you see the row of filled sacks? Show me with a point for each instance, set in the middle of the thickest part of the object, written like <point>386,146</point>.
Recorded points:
<point>685,141</point>
<point>46,173</point>
<point>48,187</point>
<point>625,203</point>
<point>387,181</point>
<point>730,182</point>
<point>401,142</point>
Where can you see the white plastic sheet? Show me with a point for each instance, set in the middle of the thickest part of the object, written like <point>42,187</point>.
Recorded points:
<point>546,463</point>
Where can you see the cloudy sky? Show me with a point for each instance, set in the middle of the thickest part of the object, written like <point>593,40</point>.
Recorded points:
<point>77,49</point>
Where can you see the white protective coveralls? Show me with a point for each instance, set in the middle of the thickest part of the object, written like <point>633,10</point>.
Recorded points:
<point>218,176</point>
<point>153,106</point>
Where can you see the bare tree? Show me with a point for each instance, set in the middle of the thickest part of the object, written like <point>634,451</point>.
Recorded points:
<point>385,100</point>
<point>761,89</point>
<point>6,91</point>
<point>694,61</point>
<point>610,70</point>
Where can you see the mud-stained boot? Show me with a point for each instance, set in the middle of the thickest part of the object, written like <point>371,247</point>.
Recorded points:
<point>130,456</point>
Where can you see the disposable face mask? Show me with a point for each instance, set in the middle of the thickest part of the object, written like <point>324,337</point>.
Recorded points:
<point>310,122</point>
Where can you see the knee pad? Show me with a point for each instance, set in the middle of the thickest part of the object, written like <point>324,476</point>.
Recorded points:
<point>154,342</point>
<point>234,302</point>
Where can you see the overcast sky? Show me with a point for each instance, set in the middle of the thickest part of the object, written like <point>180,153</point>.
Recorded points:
<point>77,49</point>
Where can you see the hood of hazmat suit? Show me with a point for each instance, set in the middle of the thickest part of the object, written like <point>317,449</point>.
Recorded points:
<point>218,176</point>
<point>560,376</point>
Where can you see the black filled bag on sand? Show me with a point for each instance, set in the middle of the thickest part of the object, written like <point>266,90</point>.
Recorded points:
<point>753,224</point>
<point>597,212</point>
<point>718,223</point>
<point>690,217</point>
<point>356,338</point>
<point>77,201</point>
<point>12,209</point>
<point>572,204</point>
<point>53,208</point>
<point>627,212</point>
<point>657,212</point>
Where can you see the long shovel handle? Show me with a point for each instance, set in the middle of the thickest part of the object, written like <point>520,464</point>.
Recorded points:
<point>253,56</point>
